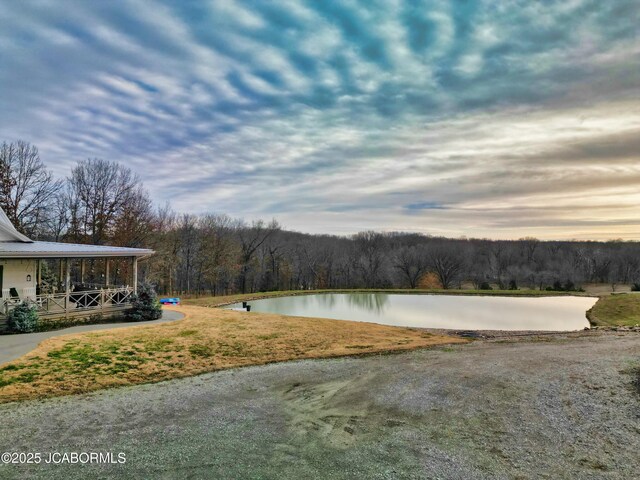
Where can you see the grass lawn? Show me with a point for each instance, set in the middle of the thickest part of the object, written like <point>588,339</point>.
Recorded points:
<point>206,340</point>
<point>208,301</point>
<point>616,310</point>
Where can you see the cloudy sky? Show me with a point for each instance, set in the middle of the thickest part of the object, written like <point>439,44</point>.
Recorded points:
<point>493,119</point>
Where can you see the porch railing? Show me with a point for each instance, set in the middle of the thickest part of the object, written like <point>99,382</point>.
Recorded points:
<point>69,302</point>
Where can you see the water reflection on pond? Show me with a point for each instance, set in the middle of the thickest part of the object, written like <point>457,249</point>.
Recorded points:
<point>438,311</point>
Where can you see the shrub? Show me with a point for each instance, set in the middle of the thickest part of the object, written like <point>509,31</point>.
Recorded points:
<point>429,281</point>
<point>635,287</point>
<point>23,318</point>
<point>146,305</point>
<point>569,286</point>
<point>485,286</point>
<point>513,285</point>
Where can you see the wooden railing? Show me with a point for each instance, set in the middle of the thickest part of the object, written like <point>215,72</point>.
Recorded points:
<point>70,302</point>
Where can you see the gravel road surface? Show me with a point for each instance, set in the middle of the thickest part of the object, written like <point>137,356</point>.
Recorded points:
<point>563,406</point>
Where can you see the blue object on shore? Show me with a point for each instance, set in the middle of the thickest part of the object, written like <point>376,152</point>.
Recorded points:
<point>170,301</point>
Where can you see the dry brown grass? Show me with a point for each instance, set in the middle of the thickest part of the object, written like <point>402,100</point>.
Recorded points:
<point>616,310</point>
<point>205,341</point>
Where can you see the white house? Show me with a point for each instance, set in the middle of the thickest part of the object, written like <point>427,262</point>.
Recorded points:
<point>64,279</point>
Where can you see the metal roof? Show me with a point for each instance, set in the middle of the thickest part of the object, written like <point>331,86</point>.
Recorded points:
<point>8,233</point>
<point>66,250</point>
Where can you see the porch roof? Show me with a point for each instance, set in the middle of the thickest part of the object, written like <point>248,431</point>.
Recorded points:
<point>13,249</point>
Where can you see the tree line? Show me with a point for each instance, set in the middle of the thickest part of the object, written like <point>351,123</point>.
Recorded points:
<point>103,202</point>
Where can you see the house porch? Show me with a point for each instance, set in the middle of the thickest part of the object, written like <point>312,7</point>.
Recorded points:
<point>68,287</point>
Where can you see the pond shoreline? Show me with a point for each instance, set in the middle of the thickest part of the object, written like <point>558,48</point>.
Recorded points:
<point>612,323</point>
<point>225,300</point>
<point>473,313</point>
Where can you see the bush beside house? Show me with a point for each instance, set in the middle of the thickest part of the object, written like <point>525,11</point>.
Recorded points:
<point>23,318</point>
<point>146,305</point>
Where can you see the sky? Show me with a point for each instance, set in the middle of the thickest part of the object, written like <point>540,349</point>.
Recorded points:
<point>499,119</point>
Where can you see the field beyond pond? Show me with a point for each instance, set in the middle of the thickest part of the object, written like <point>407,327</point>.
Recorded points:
<point>204,341</point>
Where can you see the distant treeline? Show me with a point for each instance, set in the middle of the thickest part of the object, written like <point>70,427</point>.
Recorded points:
<point>216,255</point>
<point>103,202</point>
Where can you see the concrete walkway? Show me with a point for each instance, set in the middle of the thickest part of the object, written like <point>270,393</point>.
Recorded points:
<point>14,346</point>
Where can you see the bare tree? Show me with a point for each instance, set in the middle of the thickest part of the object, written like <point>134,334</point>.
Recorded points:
<point>411,262</point>
<point>165,241</point>
<point>135,221</point>
<point>369,255</point>
<point>27,188</point>
<point>530,245</point>
<point>217,252</point>
<point>58,220</point>
<point>273,256</point>
<point>100,192</point>
<point>188,247</point>
<point>447,264</point>
<point>251,238</point>
<point>500,258</point>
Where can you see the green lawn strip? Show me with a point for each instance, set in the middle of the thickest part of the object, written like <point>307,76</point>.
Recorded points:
<point>616,310</point>
<point>209,301</point>
<point>86,359</point>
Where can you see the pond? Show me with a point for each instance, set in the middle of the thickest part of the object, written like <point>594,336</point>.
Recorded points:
<point>437,311</point>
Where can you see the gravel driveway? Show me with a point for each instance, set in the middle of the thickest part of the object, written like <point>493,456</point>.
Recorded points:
<point>546,407</point>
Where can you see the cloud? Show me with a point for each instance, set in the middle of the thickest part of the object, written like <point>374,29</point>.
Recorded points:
<point>466,118</point>
<point>425,206</point>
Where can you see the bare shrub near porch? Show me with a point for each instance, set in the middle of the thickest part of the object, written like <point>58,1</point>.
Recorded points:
<point>23,318</point>
<point>146,305</point>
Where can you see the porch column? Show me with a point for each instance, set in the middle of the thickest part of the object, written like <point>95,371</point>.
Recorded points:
<point>61,273</point>
<point>82,270</point>
<point>67,283</point>
<point>106,272</point>
<point>135,274</point>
